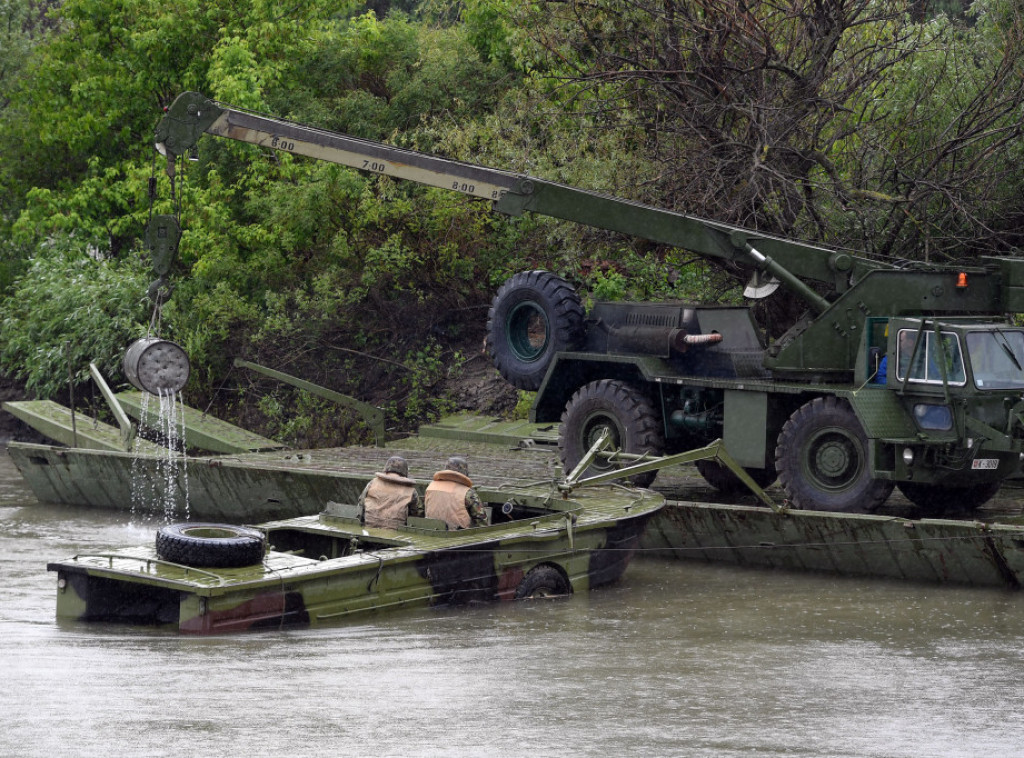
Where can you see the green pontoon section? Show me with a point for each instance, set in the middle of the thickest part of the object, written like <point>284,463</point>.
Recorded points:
<point>202,431</point>
<point>474,428</point>
<point>227,488</point>
<point>244,488</point>
<point>891,547</point>
<point>257,487</point>
<point>55,421</point>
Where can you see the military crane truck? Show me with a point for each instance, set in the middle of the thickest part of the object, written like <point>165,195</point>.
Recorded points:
<point>904,375</point>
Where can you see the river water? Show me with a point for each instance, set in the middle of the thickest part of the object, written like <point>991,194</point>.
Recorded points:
<point>677,659</point>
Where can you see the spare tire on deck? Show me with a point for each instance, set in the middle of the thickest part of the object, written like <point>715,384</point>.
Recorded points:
<point>533,316</point>
<point>210,545</point>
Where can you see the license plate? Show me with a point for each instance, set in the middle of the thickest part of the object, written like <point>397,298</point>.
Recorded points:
<point>985,463</point>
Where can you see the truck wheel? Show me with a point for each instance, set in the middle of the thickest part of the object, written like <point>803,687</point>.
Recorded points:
<point>533,316</point>
<point>936,498</point>
<point>543,581</point>
<point>624,411</point>
<point>726,482</point>
<point>822,459</point>
<point>210,545</point>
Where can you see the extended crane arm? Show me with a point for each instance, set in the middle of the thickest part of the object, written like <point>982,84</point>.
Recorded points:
<point>192,115</point>
<point>792,263</point>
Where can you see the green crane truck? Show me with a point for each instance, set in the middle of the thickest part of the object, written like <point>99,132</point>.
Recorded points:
<point>896,375</point>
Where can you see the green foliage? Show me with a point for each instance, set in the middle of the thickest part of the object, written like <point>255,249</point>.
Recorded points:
<point>69,309</point>
<point>305,421</point>
<point>932,8</point>
<point>488,30</point>
<point>656,274</point>
<point>523,404</point>
<point>428,366</point>
<point>106,210</point>
<point>21,28</point>
<point>14,259</point>
<point>17,26</point>
<point>933,172</point>
<point>93,91</point>
<point>379,79</point>
<point>608,285</point>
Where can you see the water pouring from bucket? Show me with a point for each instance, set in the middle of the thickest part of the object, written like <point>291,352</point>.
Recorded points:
<point>160,368</point>
<point>156,366</point>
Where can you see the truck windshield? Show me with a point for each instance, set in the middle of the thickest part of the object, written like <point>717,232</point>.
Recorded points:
<point>997,358</point>
<point>926,358</point>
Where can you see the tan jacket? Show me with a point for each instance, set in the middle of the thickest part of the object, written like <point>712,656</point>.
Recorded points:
<point>446,499</point>
<point>387,500</point>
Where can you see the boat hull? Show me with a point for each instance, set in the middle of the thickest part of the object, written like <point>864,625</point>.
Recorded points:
<point>388,569</point>
<point>945,551</point>
<point>235,489</point>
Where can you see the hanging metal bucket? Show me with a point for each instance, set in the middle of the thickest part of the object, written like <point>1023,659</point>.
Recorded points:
<point>156,366</point>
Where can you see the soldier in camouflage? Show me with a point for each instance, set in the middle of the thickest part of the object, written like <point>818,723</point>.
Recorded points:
<point>390,497</point>
<point>451,496</point>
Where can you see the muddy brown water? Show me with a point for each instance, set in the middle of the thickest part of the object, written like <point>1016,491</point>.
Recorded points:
<point>677,659</point>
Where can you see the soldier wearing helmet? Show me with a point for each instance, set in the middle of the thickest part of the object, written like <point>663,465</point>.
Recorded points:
<point>451,497</point>
<point>390,497</point>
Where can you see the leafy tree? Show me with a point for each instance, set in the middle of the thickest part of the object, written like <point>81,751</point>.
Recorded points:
<point>17,29</point>
<point>22,26</point>
<point>842,120</point>
<point>733,97</point>
<point>94,90</point>
<point>932,168</point>
<point>302,265</point>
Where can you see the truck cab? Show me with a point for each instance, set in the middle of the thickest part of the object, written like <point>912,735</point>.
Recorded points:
<point>958,384</point>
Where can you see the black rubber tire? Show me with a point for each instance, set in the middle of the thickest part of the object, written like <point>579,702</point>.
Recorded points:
<point>625,411</point>
<point>210,545</point>
<point>726,482</point>
<point>822,460</point>
<point>937,498</point>
<point>533,316</point>
<point>543,582</point>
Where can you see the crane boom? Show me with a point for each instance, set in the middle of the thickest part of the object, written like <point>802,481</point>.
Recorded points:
<point>793,263</point>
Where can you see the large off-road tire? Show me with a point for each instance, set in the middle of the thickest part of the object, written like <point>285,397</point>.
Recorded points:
<point>210,545</point>
<point>726,482</point>
<point>533,316</point>
<point>822,460</point>
<point>621,408</point>
<point>543,581</point>
<point>936,498</point>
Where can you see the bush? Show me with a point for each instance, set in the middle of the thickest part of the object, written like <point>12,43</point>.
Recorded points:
<point>68,309</point>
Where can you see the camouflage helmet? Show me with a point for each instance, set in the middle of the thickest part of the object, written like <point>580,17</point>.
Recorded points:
<point>459,464</point>
<point>396,465</point>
